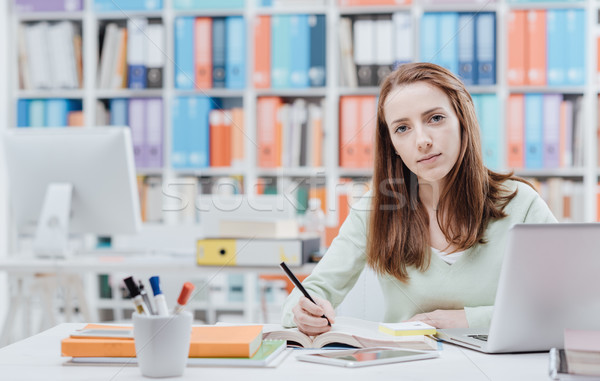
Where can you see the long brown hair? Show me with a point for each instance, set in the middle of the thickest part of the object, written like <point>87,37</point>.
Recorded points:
<point>398,235</point>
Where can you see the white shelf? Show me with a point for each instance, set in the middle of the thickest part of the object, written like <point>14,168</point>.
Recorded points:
<point>209,172</point>
<point>293,172</point>
<point>547,89</point>
<point>456,7</point>
<point>549,5</point>
<point>123,15</point>
<point>547,172</point>
<point>50,16</point>
<point>307,92</point>
<point>128,93</point>
<point>41,94</point>
<point>208,12</point>
<point>213,93</point>
<point>356,172</point>
<point>316,10</point>
<point>366,90</point>
<point>370,10</point>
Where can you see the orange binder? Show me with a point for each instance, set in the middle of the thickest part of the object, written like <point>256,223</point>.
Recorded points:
<point>368,124</point>
<point>516,131</point>
<point>536,47</point>
<point>315,114</point>
<point>220,138</point>
<point>268,132</point>
<point>203,52</point>
<point>237,136</point>
<point>262,52</point>
<point>517,21</point>
<point>206,341</point>
<point>349,132</point>
<point>75,119</point>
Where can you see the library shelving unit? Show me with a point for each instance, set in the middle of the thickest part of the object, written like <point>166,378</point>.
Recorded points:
<point>330,173</point>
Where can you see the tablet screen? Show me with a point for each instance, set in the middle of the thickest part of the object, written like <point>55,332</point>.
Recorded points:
<point>367,356</point>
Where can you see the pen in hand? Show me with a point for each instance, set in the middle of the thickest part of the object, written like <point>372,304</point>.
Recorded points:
<point>297,283</point>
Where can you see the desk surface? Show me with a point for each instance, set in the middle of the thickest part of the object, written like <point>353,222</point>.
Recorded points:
<point>38,357</point>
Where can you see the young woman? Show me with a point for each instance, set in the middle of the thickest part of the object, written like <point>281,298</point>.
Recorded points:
<point>435,224</point>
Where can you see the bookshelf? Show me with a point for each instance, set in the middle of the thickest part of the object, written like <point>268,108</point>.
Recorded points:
<point>328,174</point>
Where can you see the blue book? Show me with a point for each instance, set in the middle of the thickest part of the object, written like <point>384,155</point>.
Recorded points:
<point>534,131</point>
<point>300,41</point>
<point>179,138</point>
<point>119,112</point>
<point>184,53</point>
<point>219,41</point>
<point>23,113</point>
<point>429,38</point>
<point>485,42</point>
<point>576,36</point>
<point>57,111</point>
<point>448,41</point>
<point>208,4</point>
<point>127,5</point>
<point>235,61</point>
<point>281,51</point>
<point>491,133</point>
<point>317,72</point>
<point>467,69</point>
<point>136,52</point>
<point>557,47</point>
<point>37,113</point>
<point>198,134</point>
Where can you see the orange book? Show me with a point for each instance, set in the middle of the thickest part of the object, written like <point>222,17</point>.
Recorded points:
<point>119,79</point>
<point>320,193</point>
<point>536,47</point>
<point>315,115</point>
<point>206,341</point>
<point>517,21</point>
<point>262,52</point>
<point>203,52</point>
<point>515,131</point>
<point>237,136</point>
<point>349,132</point>
<point>368,124</point>
<point>268,132</point>
<point>75,119</point>
<point>220,138</point>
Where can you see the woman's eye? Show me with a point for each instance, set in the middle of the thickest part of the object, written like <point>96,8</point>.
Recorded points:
<point>400,129</point>
<point>437,118</point>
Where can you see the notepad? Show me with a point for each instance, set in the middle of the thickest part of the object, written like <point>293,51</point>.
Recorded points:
<point>408,328</point>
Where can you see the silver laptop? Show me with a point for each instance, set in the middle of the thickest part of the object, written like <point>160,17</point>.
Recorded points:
<point>550,280</point>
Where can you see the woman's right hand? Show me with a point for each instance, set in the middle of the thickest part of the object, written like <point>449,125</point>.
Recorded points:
<point>308,316</point>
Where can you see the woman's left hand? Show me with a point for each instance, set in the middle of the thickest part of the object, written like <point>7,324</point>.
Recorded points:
<point>443,318</point>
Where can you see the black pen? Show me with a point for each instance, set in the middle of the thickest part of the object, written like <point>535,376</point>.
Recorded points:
<point>297,283</point>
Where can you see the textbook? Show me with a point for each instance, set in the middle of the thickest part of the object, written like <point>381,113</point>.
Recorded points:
<point>266,356</point>
<point>350,332</point>
<point>206,341</point>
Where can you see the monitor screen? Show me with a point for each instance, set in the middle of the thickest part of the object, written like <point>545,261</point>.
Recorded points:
<point>96,162</point>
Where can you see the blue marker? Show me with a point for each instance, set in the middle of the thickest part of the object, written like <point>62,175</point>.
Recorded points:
<point>159,297</point>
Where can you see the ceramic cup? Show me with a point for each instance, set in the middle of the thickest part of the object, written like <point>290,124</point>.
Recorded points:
<point>162,343</point>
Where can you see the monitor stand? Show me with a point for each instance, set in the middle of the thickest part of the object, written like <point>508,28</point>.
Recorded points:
<point>52,233</point>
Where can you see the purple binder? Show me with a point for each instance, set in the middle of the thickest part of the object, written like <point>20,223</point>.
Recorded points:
<point>23,6</point>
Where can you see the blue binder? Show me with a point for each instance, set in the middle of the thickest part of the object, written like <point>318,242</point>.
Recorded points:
<point>300,41</point>
<point>179,139</point>
<point>198,131</point>
<point>485,41</point>
<point>317,73</point>
<point>184,53</point>
<point>281,51</point>
<point>534,131</point>
<point>23,113</point>
<point>57,111</point>
<point>218,51</point>
<point>491,134</point>
<point>119,108</point>
<point>467,69</point>
<point>557,47</point>
<point>235,67</point>
<point>448,42</point>
<point>575,35</point>
<point>429,38</point>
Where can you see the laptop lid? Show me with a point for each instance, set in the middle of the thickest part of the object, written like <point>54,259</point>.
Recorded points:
<point>550,280</point>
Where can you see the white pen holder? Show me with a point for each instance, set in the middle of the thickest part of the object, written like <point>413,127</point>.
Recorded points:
<point>162,343</point>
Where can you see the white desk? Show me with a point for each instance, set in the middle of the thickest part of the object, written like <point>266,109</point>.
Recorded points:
<point>20,269</point>
<point>38,357</point>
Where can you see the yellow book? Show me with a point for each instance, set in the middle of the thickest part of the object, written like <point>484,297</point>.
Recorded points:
<point>409,328</point>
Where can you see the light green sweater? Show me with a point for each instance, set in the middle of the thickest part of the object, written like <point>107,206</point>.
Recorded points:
<point>469,283</point>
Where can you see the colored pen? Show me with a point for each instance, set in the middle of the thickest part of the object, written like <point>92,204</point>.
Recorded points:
<point>184,296</point>
<point>297,283</point>
<point>134,292</point>
<point>146,299</point>
<point>159,297</point>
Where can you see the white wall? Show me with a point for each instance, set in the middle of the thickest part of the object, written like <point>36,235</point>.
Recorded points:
<point>4,120</point>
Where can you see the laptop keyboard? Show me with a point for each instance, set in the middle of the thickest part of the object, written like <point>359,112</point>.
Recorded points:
<point>479,337</point>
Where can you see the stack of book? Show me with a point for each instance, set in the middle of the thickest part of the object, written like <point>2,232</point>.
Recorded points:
<point>582,350</point>
<point>209,345</point>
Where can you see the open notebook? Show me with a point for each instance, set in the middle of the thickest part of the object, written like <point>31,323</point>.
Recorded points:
<point>349,331</point>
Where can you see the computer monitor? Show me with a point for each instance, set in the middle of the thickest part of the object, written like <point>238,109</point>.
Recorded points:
<point>65,181</point>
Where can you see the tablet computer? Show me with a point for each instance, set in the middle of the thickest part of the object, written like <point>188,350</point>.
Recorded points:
<point>353,358</point>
